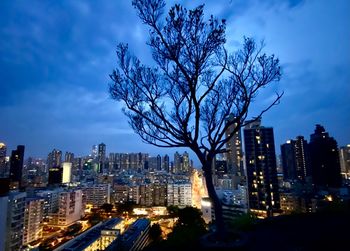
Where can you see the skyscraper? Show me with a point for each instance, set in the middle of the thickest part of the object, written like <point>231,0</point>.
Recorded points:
<point>55,170</point>
<point>94,151</point>
<point>101,156</point>
<point>159,162</point>
<point>12,208</point>
<point>185,162</point>
<point>324,159</point>
<point>165,163</point>
<point>261,169</point>
<point>2,160</point>
<point>33,219</point>
<point>344,154</point>
<point>55,175</point>
<point>54,159</point>
<point>295,159</point>
<point>69,157</point>
<point>16,165</point>
<point>66,172</point>
<point>234,155</point>
<point>177,163</point>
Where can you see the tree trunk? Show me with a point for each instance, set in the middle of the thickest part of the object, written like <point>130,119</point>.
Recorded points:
<point>221,230</point>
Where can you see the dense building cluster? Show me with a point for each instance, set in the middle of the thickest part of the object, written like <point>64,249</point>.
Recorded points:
<point>248,177</point>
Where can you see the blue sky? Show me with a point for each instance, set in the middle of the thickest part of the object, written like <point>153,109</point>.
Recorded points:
<point>56,57</point>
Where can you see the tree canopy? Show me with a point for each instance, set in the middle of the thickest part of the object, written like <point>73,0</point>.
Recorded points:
<point>197,89</point>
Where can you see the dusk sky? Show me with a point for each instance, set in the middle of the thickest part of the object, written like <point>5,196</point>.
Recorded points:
<point>56,57</point>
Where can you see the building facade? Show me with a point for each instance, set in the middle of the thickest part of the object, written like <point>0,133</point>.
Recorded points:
<point>12,208</point>
<point>296,160</point>
<point>261,169</point>
<point>33,220</point>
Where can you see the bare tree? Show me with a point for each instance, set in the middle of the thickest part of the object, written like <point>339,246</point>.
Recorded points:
<point>186,99</point>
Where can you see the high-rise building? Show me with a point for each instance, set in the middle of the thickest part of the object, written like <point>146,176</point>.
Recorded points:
<point>3,170</point>
<point>179,194</point>
<point>344,155</point>
<point>153,163</point>
<point>67,172</point>
<point>54,158</point>
<point>94,151</point>
<point>11,220</point>
<point>165,163</point>
<point>97,195</point>
<point>69,157</point>
<point>101,156</point>
<point>16,165</point>
<point>182,163</point>
<point>234,156</point>
<point>159,163</point>
<point>77,168</point>
<point>55,175</point>
<point>177,163</point>
<point>261,169</point>
<point>185,165</point>
<point>146,195</point>
<point>51,201</point>
<point>220,167</point>
<point>112,162</point>
<point>324,159</point>
<point>33,220</point>
<point>295,159</point>
<point>70,208</point>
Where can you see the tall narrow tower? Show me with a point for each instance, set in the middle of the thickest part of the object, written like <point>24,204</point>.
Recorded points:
<point>2,160</point>
<point>16,165</point>
<point>234,157</point>
<point>101,156</point>
<point>295,159</point>
<point>261,169</point>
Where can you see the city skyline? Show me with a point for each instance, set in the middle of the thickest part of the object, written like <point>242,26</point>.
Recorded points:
<point>54,71</point>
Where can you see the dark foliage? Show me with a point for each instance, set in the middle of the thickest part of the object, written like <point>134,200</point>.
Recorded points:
<point>187,230</point>
<point>125,208</point>
<point>155,232</point>
<point>107,207</point>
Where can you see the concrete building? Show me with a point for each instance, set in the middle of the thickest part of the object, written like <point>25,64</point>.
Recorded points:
<point>261,169</point>
<point>234,156</point>
<point>12,208</point>
<point>344,156</point>
<point>67,172</point>
<point>70,208</point>
<point>97,194</point>
<point>134,194</point>
<point>101,157</point>
<point>51,202</point>
<point>3,168</point>
<point>16,167</point>
<point>33,220</point>
<point>146,195</point>
<point>295,160</point>
<point>121,193</point>
<point>179,194</point>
